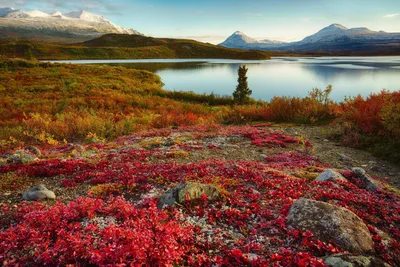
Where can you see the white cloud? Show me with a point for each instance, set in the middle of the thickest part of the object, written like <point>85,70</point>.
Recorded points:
<point>253,15</point>
<point>389,16</point>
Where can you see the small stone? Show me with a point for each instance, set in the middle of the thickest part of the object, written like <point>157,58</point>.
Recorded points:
<point>263,156</point>
<point>370,184</point>
<point>375,168</point>
<point>290,131</point>
<point>38,192</point>
<point>344,157</point>
<point>342,260</point>
<point>330,175</point>
<point>251,256</point>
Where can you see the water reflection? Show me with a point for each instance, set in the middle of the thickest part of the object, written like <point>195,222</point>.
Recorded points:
<point>277,77</point>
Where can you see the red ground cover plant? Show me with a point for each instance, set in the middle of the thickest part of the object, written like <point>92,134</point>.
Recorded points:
<point>73,234</point>
<point>246,227</point>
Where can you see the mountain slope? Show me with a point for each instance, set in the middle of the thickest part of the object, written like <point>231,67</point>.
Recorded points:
<point>240,40</point>
<point>70,27</point>
<point>337,33</point>
<point>126,46</point>
<point>334,39</point>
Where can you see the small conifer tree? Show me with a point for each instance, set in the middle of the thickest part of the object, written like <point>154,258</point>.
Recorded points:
<point>242,93</point>
<point>29,55</point>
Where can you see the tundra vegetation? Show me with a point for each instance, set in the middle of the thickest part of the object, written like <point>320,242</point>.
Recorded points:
<point>111,144</point>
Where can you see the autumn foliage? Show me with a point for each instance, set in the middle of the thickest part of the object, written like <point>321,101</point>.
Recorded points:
<point>246,227</point>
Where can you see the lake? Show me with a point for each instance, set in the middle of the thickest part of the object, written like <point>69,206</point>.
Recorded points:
<point>280,76</point>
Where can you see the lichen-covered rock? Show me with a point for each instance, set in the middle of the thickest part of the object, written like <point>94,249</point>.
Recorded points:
<point>193,191</point>
<point>190,191</point>
<point>331,223</point>
<point>169,198</point>
<point>38,192</point>
<point>21,157</point>
<point>330,175</point>
<point>341,260</point>
<point>33,150</point>
<point>362,175</point>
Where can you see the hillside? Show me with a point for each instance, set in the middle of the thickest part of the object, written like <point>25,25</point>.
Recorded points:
<point>124,46</point>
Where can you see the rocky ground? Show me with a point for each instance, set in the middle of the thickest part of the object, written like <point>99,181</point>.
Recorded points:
<point>261,195</point>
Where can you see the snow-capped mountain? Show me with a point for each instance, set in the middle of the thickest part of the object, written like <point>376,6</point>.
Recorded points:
<point>240,40</point>
<point>68,27</point>
<point>339,33</point>
<point>335,38</point>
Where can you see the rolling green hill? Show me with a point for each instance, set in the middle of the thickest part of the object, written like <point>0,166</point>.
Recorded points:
<point>124,46</point>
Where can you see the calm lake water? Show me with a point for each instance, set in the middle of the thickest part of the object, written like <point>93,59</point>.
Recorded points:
<point>283,76</point>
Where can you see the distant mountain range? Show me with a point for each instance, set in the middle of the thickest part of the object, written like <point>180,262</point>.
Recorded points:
<point>56,26</point>
<point>335,38</point>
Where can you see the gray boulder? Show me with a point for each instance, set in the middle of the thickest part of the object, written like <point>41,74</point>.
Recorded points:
<point>340,260</point>
<point>38,192</point>
<point>331,223</point>
<point>362,175</point>
<point>192,191</point>
<point>330,175</point>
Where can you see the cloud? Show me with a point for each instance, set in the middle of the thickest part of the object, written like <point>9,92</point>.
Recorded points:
<point>390,16</point>
<point>214,39</point>
<point>253,15</point>
<point>101,7</point>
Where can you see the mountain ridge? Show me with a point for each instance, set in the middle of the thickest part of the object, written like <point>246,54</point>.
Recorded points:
<point>333,38</point>
<point>76,26</point>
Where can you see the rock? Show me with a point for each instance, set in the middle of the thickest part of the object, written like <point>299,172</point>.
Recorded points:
<point>169,198</point>
<point>331,223</point>
<point>33,150</point>
<point>251,256</point>
<point>263,156</point>
<point>341,260</point>
<point>291,131</point>
<point>195,190</point>
<point>330,175</point>
<point>191,190</point>
<point>367,180</point>
<point>344,157</point>
<point>21,157</point>
<point>375,168</point>
<point>38,192</point>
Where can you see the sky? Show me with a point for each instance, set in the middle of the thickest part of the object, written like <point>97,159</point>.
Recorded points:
<point>214,20</point>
